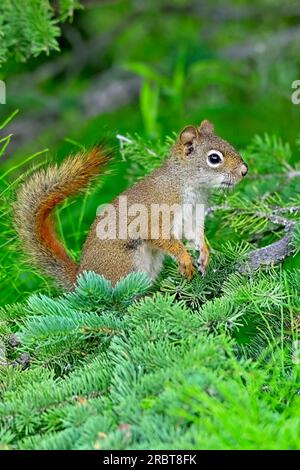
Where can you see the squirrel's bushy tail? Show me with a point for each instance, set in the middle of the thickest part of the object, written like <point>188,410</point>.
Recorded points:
<point>37,198</point>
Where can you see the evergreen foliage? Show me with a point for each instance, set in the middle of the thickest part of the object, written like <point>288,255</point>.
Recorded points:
<point>210,363</point>
<point>30,28</point>
<point>153,372</point>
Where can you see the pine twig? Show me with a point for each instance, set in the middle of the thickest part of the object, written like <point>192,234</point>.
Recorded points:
<point>275,252</point>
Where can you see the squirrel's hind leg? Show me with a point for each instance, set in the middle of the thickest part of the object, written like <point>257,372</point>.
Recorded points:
<point>113,259</point>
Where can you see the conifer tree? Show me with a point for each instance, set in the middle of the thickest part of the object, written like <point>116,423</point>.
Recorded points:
<point>31,28</point>
<point>211,363</point>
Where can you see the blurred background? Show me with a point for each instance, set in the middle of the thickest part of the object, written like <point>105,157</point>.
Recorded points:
<point>79,71</point>
<point>152,66</point>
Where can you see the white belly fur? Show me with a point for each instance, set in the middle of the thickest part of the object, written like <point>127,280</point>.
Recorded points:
<point>148,260</point>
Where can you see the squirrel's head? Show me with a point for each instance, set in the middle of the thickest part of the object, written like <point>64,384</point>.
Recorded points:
<point>209,160</point>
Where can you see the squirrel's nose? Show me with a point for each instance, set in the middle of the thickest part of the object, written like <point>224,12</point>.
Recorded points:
<point>244,169</point>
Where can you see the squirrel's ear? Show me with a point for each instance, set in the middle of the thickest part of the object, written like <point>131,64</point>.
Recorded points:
<point>187,138</point>
<point>188,134</point>
<point>206,127</point>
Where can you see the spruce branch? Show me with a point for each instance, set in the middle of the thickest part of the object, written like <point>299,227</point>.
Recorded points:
<point>276,251</point>
<point>279,250</point>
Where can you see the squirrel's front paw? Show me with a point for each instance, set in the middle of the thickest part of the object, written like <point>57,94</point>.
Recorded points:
<point>186,268</point>
<point>203,259</point>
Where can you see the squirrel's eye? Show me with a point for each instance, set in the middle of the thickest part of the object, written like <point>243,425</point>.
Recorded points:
<point>215,158</point>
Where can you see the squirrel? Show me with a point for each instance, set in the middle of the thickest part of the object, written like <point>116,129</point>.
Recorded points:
<point>198,162</point>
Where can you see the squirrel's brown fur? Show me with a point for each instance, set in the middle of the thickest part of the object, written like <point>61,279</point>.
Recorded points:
<point>186,176</point>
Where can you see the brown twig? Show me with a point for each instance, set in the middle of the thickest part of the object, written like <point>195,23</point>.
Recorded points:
<point>275,252</point>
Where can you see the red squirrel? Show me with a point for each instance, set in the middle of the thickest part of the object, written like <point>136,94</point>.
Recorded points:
<point>198,162</point>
